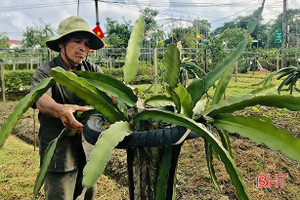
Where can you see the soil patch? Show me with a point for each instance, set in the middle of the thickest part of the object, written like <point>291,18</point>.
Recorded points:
<point>193,181</point>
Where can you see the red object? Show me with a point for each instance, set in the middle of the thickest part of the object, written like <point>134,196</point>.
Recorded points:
<point>145,34</point>
<point>97,30</point>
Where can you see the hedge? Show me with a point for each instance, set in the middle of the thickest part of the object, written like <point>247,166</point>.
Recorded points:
<point>16,80</point>
<point>145,74</point>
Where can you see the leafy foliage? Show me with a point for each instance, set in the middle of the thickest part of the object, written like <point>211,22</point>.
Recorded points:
<point>14,80</point>
<point>102,152</point>
<point>222,85</point>
<point>189,123</point>
<point>117,34</point>
<point>22,107</point>
<point>50,151</point>
<point>185,35</point>
<point>291,74</point>
<point>291,20</point>
<point>90,93</point>
<point>123,93</point>
<point>171,75</point>
<point>200,86</point>
<point>187,105</point>
<point>162,180</point>
<point>150,23</point>
<point>4,41</point>
<point>36,36</point>
<point>232,36</point>
<point>133,51</point>
<point>260,131</point>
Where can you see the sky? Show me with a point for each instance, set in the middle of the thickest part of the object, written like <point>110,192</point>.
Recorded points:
<point>16,15</point>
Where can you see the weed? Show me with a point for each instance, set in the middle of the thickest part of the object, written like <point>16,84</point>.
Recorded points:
<point>255,109</point>
<point>259,163</point>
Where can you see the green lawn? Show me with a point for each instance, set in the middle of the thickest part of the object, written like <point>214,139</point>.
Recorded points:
<point>19,166</point>
<point>243,85</point>
<point>18,169</point>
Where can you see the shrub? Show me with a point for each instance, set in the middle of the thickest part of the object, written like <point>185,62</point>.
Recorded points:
<point>15,80</point>
<point>145,74</point>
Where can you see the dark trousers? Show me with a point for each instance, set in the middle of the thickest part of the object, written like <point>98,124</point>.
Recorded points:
<point>66,186</point>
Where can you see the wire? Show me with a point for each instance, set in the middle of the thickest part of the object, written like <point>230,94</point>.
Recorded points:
<point>179,4</point>
<point>154,4</point>
<point>44,5</point>
<point>163,7</point>
<point>235,14</point>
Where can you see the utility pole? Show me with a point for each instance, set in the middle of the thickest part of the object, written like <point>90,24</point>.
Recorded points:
<point>77,8</point>
<point>97,13</point>
<point>296,20</point>
<point>284,28</point>
<point>197,37</point>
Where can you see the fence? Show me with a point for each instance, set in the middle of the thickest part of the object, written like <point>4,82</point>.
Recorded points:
<point>14,59</point>
<point>111,57</point>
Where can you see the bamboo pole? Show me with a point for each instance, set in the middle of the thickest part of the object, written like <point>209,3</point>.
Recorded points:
<point>155,62</point>
<point>277,63</point>
<point>155,65</point>
<point>3,82</point>
<point>236,71</point>
<point>34,131</point>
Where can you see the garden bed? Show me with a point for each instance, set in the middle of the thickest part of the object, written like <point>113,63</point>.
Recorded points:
<point>193,178</point>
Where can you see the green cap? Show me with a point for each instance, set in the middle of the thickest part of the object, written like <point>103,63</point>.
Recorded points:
<point>72,25</point>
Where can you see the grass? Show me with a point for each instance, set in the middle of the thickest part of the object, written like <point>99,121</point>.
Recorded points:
<point>18,169</point>
<point>20,165</point>
<point>242,86</point>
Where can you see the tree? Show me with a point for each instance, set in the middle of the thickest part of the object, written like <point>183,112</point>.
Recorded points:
<point>260,33</point>
<point>4,41</point>
<point>152,30</point>
<point>36,36</point>
<point>202,27</point>
<point>216,50</point>
<point>117,34</point>
<point>157,38</point>
<point>232,36</point>
<point>293,16</point>
<point>150,14</point>
<point>292,21</point>
<point>187,36</point>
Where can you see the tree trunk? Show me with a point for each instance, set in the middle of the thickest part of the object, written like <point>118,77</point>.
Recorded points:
<point>152,162</point>
<point>143,170</point>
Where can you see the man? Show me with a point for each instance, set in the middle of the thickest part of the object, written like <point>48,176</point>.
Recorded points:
<point>57,108</point>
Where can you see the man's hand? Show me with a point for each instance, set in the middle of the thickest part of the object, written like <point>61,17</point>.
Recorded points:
<point>65,112</point>
<point>66,115</point>
<point>114,99</point>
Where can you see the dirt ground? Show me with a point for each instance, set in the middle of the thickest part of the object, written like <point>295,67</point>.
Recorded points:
<point>193,180</point>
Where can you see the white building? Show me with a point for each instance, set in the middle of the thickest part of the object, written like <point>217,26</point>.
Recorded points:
<point>15,43</point>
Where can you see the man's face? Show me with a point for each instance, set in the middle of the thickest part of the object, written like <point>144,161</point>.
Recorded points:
<point>76,48</point>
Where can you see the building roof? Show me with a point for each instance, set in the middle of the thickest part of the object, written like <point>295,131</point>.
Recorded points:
<point>15,41</point>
